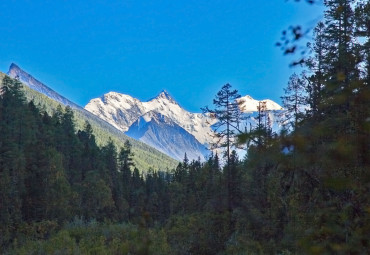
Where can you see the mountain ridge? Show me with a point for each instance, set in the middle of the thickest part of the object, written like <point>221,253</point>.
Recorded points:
<point>150,157</point>
<point>124,111</point>
<point>162,116</point>
<point>17,73</point>
<point>164,134</point>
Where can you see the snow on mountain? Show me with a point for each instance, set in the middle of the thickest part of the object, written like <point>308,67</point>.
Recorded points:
<point>248,104</point>
<point>123,110</point>
<point>153,158</point>
<point>161,121</point>
<point>117,109</point>
<point>163,133</point>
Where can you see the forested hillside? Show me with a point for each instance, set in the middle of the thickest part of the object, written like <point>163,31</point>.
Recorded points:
<point>145,157</point>
<point>302,191</point>
<point>51,174</point>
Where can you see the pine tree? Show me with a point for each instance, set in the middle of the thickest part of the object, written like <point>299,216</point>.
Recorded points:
<point>126,157</point>
<point>90,152</point>
<point>342,64</point>
<point>317,67</point>
<point>228,117</point>
<point>234,185</point>
<point>362,95</point>
<point>294,101</point>
<point>124,184</point>
<point>329,160</point>
<point>12,159</point>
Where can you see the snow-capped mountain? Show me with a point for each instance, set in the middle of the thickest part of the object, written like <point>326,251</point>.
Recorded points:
<point>123,110</point>
<point>103,130</point>
<point>168,127</point>
<point>159,122</point>
<point>248,104</point>
<point>162,123</point>
<point>163,133</point>
<point>249,107</point>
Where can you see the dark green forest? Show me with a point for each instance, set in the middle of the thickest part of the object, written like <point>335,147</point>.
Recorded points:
<point>144,155</point>
<point>304,190</point>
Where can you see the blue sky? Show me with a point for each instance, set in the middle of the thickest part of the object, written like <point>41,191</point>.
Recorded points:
<point>83,49</point>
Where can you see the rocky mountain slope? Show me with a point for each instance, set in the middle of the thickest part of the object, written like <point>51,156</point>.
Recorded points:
<point>27,79</point>
<point>163,133</point>
<point>122,111</point>
<point>159,122</point>
<point>161,114</point>
<point>145,156</point>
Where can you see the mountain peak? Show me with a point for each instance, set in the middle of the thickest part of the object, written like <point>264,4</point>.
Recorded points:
<point>13,66</point>
<point>248,97</point>
<point>15,71</point>
<point>165,95</point>
<point>249,104</point>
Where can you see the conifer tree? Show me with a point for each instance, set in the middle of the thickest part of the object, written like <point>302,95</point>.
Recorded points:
<point>362,95</point>
<point>89,151</point>
<point>318,68</point>
<point>228,116</point>
<point>294,101</point>
<point>342,64</point>
<point>12,158</point>
<point>124,182</point>
<point>126,156</point>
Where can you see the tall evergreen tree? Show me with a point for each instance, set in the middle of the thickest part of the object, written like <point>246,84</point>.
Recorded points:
<point>342,64</point>
<point>12,159</point>
<point>228,116</point>
<point>317,67</point>
<point>294,101</point>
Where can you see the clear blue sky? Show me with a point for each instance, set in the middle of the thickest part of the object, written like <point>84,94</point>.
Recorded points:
<point>83,49</point>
